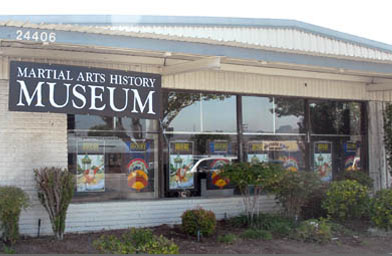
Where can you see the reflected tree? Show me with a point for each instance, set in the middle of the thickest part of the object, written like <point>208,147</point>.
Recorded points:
<point>177,101</point>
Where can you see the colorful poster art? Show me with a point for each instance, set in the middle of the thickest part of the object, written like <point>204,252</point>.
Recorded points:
<point>215,179</point>
<point>180,165</point>
<point>219,147</point>
<point>323,160</point>
<point>137,174</point>
<point>90,173</point>
<point>136,165</point>
<point>256,153</point>
<point>290,163</point>
<point>351,161</point>
<point>284,145</point>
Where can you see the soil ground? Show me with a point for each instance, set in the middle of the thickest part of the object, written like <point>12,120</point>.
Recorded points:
<point>360,243</point>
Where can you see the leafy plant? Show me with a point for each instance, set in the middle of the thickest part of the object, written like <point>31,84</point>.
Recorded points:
<point>387,115</point>
<point>257,234</point>
<point>8,250</point>
<point>360,176</point>
<point>314,230</point>
<point>198,220</point>
<point>227,238</point>
<point>260,177</point>
<point>381,209</point>
<point>312,209</point>
<point>55,189</point>
<point>346,200</point>
<point>12,201</point>
<point>294,189</point>
<point>135,241</point>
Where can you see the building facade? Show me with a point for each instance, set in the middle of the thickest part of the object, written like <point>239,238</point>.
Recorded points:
<point>145,110</point>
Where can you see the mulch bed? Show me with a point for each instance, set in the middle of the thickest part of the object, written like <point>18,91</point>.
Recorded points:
<point>82,243</point>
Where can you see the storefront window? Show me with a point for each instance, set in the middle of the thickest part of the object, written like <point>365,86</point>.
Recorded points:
<point>289,115</point>
<point>196,112</point>
<point>286,151</point>
<point>200,137</point>
<point>258,114</point>
<point>113,158</point>
<point>336,137</point>
<point>195,161</point>
<point>270,115</point>
<point>335,117</point>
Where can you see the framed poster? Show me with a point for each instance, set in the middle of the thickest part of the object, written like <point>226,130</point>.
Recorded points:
<point>350,156</point>
<point>180,165</point>
<point>323,160</point>
<point>256,153</point>
<point>90,173</point>
<point>219,149</point>
<point>136,165</point>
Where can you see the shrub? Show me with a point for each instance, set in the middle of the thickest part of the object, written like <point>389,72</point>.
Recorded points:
<point>12,201</point>
<point>346,200</point>
<point>227,238</point>
<point>313,209</point>
<point>252,180</point>
<point>360,176</point>
<point>257,234</point>
<point>55,189</point>
<point>381,209</point>
<point>293,190</point>
<point>314,231</point>
<point>198,220</point>
<point>135,241</point>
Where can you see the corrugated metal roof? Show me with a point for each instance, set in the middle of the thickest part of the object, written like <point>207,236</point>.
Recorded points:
<point>277,35</point>
<point>280,38</point>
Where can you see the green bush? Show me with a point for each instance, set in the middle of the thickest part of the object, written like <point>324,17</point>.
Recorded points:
<point>293,190</point>
<point>313,209</point>
<point>227,238</point>
<point>314,231</point>
<point>257,234</point>
<point>346,200</point>
<point>360,176</point>
<point>55,188</point>
<point>135,241</point>
<point>381,209</point>
<point>12,201</point>
<point>198,220</point>
<point>252,180</point>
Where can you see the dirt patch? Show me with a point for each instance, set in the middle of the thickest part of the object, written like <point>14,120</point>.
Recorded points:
<point>82,243</point>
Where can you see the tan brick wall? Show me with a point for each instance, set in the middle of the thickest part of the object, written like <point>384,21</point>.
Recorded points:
<point>28,141</point>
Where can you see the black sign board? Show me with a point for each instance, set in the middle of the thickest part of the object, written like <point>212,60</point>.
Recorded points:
<point>37,87</point>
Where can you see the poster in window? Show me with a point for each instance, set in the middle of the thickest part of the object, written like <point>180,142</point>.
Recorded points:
<point>256,153</point>
<point>180,164</point>
<point>137,165</point>
<point>323,160</point>
<point>215,180</point>
<point>219,149</point>
<point>351,161</point>
<point>286,152</point>
<point>90,173</point>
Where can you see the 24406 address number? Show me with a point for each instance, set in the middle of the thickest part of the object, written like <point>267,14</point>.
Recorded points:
<point>36,36</point>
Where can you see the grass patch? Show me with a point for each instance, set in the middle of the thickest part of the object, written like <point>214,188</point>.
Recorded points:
<point>256,234</point>
<point>227,238</point>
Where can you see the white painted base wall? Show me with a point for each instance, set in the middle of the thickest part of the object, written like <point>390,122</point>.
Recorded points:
<point>90,217</point>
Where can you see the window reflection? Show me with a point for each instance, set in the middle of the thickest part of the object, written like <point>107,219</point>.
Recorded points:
<point>334,117</point>
<point>272,115</point>
<point>113,158</point>
<point>289,115</point>
<point>195,112</point>
<point>258,115</point>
